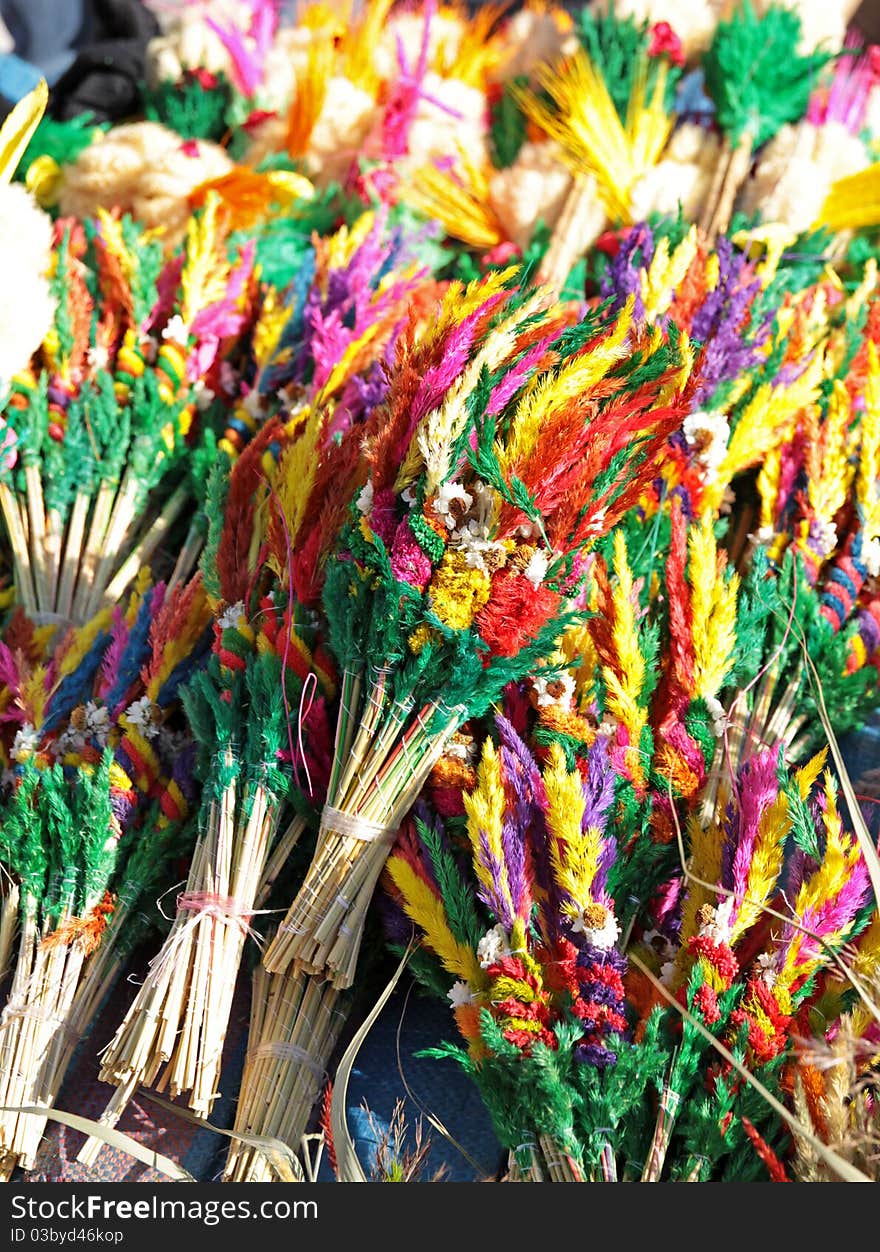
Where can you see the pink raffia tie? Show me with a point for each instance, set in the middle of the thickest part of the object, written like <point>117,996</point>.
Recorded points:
<point>223,908</point>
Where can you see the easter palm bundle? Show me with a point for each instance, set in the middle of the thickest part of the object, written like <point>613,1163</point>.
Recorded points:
<point>101,420</point>
<point>588,1071</point>
<point>506,446</point>
<point>295,1022</point>
<point>174,1031</point>
<point>100,797</point>
<point>253,711</point>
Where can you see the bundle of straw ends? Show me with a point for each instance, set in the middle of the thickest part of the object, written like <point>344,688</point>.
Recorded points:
<point>294,1025</point>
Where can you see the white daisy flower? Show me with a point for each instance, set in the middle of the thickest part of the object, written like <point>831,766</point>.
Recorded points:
<point>708,431</point>
<point>603,936</point>
<point>97,722</point>
<point>824,536</point>
<point>231,616</point>
<point>446,496</point>
<point>871,556</point>
<point>766,964</point>
<point>536,569</point>
<point>459,993</point>
<point>24,745</point>
<point>718,928</point>
<point>203,395</point>
<point>718,714</point>
<point>493,946</point>
<point>253,403</point>
<point>176,331</point>
<point>140,715</point>
<point>365,498</point>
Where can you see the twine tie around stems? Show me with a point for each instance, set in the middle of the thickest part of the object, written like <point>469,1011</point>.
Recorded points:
<point>224,908</point>
<point>36,1012</point>
<point>353,826</point>
<point>201,904</point>
<point>282,1051</point>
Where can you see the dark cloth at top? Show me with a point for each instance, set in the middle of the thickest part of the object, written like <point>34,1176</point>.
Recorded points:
<point>106,76</point>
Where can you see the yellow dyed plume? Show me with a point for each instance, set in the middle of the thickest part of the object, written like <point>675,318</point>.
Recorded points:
<point>666,273</point>
<point>19,126</point>
<point>853,203</point>
<point>485,816</point>
<point>297,467</point>
<point>309,95</point>
<point>574,856</point>
<point>586,124</point>
<point>625,680</point>
<point>427,911</point>
<point>203,280</point>
<point>713,601</point>
<point>829,468</point>
<point>842,855</point>
<point>459,202</point>
<point>765,866</point>
<point>767,420</point>
<point>552,395</point>
<point>867,492</point>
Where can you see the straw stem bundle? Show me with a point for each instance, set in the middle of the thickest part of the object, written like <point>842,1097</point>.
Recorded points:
<point>295,1022</point>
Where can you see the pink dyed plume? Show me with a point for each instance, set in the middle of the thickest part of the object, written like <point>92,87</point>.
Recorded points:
<point>247,51</point>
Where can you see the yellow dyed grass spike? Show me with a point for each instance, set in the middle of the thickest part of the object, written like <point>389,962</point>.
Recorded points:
<point>485,817</point>
<point>342,245</point>
<point>853,203</point>
<point>580,654</point>
<point>683,375</point>
<point>773,238</point>
<point>842,855</point>
<point>765,866</point>
<point>767,419</point>
<point>359,55</point>
<point>830,469</point>
<point>433,441</point>
<point>426,910</point>
<point>460,204</point>
<point>18,128</point>
<point>114,241</point>
<point>203,280</point>
<point>713,603</point>
<point>867,492</point>
<point>297,467</point>
<point>552,395</point>
<point>666,273</point>
<point>309,95</point>
<point>625,681</point>
<point>706,843</point>
<point>574,856</point>
<point>34,695</point>
<point>768,488</point>
<point>479,51</point>
<point>865,965</point>
<point>586,124</point>
<point>806,776</point>
<point>274,317</point>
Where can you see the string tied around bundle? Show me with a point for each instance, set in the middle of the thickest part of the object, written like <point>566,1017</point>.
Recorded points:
<point>223,908</point>
<point>279,1050</point>
<point>353,826</point>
